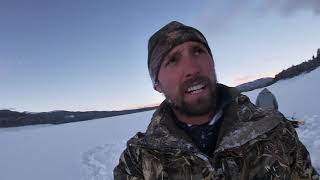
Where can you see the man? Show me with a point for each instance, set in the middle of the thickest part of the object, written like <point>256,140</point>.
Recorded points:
<point>267,100</point>
<point>205,130</point>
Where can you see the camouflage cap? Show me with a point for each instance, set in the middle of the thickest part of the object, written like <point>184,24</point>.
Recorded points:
<point>164,40</point>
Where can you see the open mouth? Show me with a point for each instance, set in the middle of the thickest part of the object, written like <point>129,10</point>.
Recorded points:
<point>195,89</point>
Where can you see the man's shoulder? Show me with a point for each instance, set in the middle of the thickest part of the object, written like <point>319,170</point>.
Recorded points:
<point>248,122</point>
<point>155,130</point>
<point>138,138</point>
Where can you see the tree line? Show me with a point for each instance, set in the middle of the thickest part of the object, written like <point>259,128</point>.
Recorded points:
<point>303,67</point>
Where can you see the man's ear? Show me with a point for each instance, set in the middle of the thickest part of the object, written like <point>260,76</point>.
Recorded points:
<point>157,87</point>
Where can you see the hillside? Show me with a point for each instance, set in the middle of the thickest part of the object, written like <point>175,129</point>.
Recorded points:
<point>10,118</point>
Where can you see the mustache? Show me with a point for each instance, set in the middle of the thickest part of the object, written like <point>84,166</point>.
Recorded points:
<point>194,80</point>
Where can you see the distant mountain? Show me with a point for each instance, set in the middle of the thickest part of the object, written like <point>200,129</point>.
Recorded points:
<point>259,83</point>
<point>10,118</point>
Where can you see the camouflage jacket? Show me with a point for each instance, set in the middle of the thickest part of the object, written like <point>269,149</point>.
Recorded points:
<point>252,144</point>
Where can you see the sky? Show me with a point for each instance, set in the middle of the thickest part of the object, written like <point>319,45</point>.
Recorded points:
<point>82,55</point>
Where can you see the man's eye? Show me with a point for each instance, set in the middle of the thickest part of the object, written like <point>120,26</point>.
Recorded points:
<point>198,50</point>
<point>171,61</point>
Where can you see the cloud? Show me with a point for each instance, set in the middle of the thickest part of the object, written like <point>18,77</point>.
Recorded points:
<point>289,7</point>
<point>217,16</point>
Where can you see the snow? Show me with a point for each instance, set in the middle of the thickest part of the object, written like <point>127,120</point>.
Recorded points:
<point>89,150</point>
<point>84,150</point>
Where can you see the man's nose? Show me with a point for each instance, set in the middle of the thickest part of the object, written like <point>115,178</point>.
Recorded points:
<point>190,67</point>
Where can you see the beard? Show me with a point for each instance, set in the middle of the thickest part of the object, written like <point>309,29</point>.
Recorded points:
<point>201,105</point>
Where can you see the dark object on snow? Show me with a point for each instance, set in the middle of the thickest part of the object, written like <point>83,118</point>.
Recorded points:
<point>266,100</point>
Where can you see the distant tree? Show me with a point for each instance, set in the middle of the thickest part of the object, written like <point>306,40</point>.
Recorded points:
<point>303,67</point>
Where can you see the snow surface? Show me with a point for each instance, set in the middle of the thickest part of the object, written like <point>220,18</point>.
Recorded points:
<point>86,150</point>
<point>89,150</point>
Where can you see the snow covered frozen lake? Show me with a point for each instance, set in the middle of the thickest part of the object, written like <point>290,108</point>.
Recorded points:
<point>89,150</point>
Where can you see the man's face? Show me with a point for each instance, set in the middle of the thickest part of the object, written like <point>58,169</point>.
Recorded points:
<point>187,78</point>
